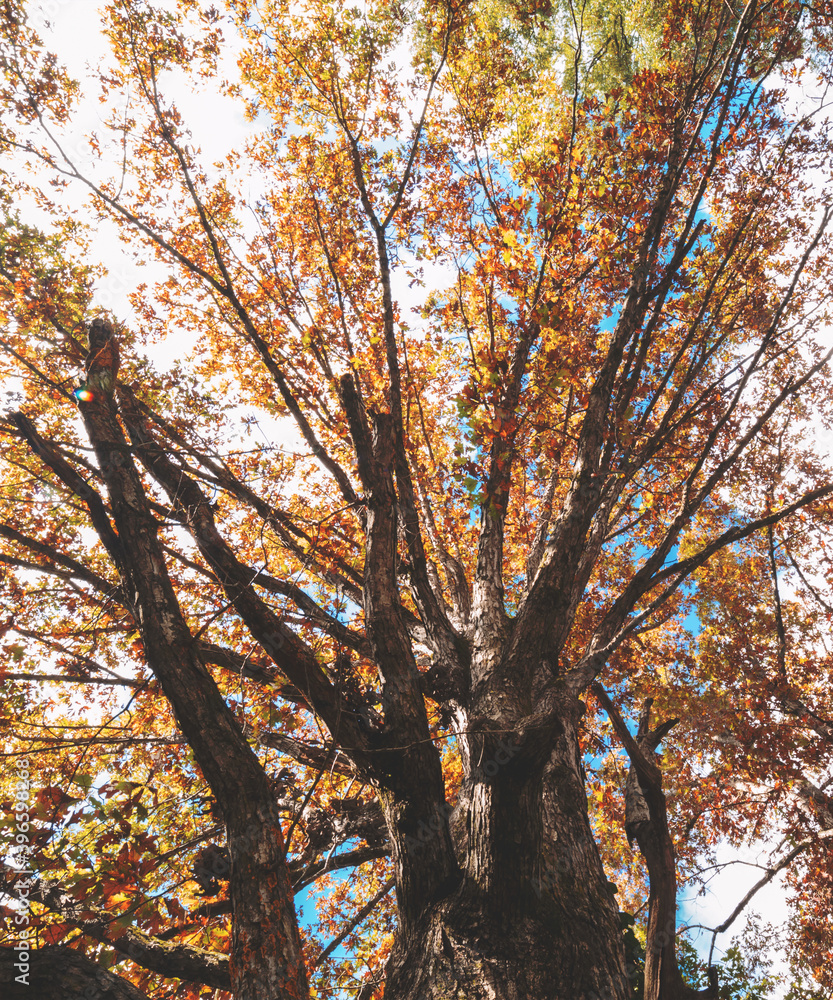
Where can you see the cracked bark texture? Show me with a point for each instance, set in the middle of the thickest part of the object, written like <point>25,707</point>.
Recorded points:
<point>62,974</point>
<point>534,915</point>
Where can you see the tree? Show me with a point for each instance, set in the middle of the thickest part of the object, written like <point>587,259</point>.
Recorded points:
<point>579,492</point>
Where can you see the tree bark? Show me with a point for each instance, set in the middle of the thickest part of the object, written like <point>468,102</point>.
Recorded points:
<point>266,953</point>
<point>646,821</point>
<point>175,960</point>
<point>60,974</point>
<point>534,915</point>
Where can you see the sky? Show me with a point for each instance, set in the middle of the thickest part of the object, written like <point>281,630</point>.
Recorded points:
<point>219,126</point>
<point>72,28</point>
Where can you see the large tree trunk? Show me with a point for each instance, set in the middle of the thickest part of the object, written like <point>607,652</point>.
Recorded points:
<point>534,915</point>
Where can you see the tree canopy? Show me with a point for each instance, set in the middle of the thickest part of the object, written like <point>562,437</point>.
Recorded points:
<point>468,567</point>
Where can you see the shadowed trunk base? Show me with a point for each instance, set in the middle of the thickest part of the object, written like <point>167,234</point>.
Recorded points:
<point>464,949</point>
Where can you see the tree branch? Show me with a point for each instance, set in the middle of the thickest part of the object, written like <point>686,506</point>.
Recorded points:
<point>57,973</point>
<point>364,912</point>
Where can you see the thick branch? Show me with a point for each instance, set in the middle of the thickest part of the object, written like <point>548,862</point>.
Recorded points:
<point>288,650</point>
<point>58,973</point>
<point>178,961</point>
<point>266,944</point>
<point>646,820</point>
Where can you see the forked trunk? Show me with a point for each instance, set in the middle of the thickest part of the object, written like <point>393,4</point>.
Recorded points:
<point>533,917</point>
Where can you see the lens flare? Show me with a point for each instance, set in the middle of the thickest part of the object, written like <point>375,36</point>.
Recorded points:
<point>83,395</point>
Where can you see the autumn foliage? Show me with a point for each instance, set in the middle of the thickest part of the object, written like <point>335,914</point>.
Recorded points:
<point>440,538</point>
